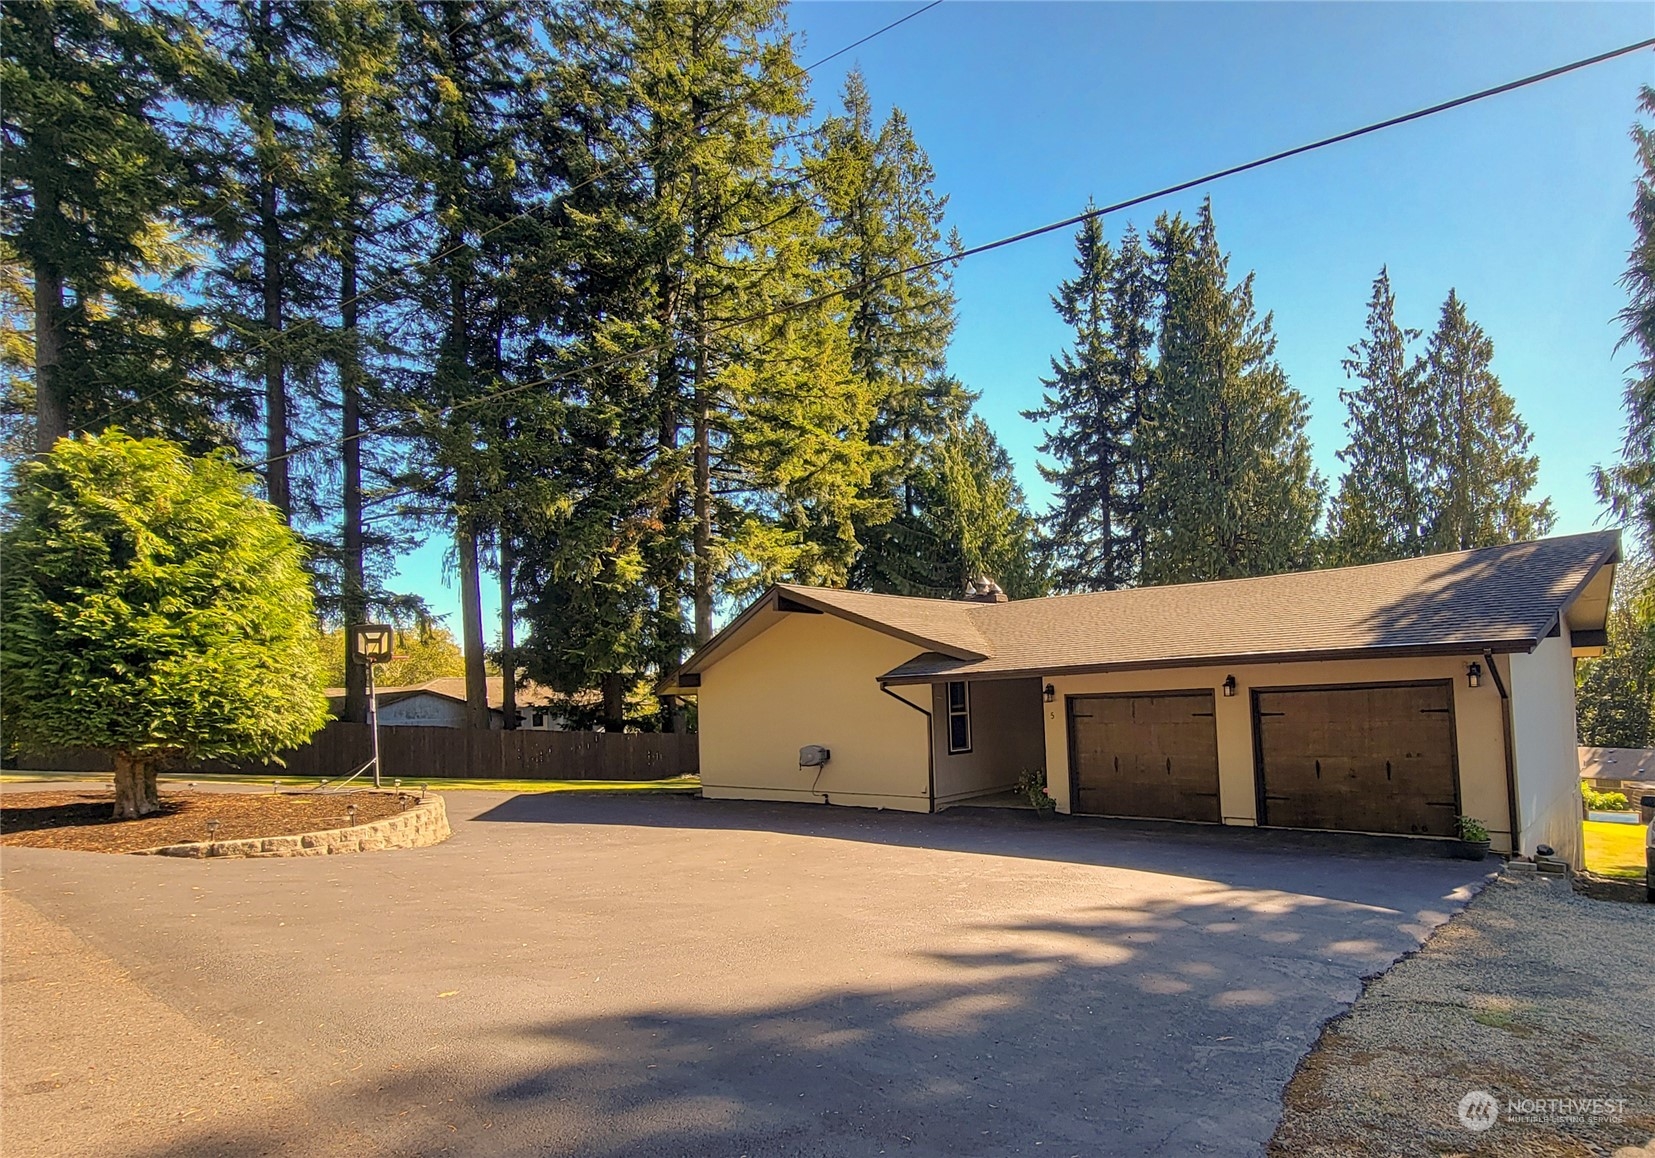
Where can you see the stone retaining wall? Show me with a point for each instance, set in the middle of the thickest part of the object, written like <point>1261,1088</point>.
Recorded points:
<point>422,824</point>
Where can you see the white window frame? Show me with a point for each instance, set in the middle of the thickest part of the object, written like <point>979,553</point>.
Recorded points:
<point>963,712</point>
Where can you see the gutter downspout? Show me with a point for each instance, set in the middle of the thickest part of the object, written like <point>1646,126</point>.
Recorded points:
<point>1511,763</point>
<point>930,747</point>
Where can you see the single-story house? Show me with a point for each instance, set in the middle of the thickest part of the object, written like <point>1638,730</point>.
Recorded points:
<point>1629,771</point>
<point>440,703</point>
<point>1390,698</point>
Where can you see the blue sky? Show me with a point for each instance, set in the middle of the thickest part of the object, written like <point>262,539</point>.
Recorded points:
<point>1520,202</point>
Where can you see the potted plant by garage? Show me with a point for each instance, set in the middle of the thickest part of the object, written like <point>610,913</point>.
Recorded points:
<point>1473,844</point>
<point>1031,784</point>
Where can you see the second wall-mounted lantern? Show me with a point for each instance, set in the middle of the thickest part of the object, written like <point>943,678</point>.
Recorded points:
<point>1474,674</point>
<point>1049,693</point>
<point>1229,685</point>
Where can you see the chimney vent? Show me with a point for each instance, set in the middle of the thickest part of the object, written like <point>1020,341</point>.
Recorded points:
<point>984,590</point>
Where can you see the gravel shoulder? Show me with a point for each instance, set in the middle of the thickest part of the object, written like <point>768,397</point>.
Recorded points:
<point>1532,992</point>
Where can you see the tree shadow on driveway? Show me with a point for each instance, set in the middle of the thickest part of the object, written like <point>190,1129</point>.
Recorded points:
<point>1166,1028</point>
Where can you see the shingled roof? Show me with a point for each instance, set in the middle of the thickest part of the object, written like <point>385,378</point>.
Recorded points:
<point>1500,599</point>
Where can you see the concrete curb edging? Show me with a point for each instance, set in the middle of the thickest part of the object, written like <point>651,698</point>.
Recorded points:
<point>423,824</point>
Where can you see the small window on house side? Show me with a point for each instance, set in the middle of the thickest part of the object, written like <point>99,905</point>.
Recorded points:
<point>959,718</point>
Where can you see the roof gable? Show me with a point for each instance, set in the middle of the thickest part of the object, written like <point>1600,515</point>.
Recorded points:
<point>936,625</point>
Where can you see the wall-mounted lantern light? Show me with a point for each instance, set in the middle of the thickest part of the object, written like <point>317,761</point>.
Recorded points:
<point>1049,693</point>
<point>1229,685</point>
<point>1474,674</point>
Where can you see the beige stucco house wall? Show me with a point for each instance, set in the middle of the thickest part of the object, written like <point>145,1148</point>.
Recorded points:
<point>811,679</point>
<point>1005,739</point>
<point>1548,759</point>
<point>1479,733</point>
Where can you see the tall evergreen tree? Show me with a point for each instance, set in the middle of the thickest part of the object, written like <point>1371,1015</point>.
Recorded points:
<point>720,97</point>
<point>882,214</point>
<point>255,142</point>
<point>462,68</point>
<point>96,208</point>
<point>1231,490</point>
<point>1628,487</point>
<point>1097,397</point>
<point>1483,471</point>
<point>1384,508</point>
<point>354,184</point>
<point>582,466</point>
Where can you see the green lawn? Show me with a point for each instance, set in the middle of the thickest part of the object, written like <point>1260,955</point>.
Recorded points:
<point>1615,850</point>
<point>677,784</point>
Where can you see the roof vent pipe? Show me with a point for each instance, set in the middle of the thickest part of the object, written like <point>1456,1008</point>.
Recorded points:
<point>982,589</point>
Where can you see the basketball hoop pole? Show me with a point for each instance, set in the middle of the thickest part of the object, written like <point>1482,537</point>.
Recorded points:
<point>371,645</point>
<point>373,714</point>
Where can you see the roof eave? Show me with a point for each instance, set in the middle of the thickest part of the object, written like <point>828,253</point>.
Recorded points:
<point>1406,651</point>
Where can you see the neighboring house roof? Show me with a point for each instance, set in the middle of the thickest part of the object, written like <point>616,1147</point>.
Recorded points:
<point>449,688</point>
<point>1501,599</point>
<point>1617,763</point>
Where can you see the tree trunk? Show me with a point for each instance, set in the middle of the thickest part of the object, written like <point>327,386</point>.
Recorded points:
<point>701,500</point>
<point>135,791</point>
<point>51,405</point>
<point>702,568</point>
<point>508,657</point>
<point>354,589</point>
<point>614,702</point>
<point>471,625</point>
<point>276,472</point>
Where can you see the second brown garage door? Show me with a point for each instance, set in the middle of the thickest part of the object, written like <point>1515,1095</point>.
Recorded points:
<point>1145,755</point>
<point>1375,758</point>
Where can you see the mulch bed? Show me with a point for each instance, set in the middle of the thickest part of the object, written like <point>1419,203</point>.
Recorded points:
<point>81,820</point>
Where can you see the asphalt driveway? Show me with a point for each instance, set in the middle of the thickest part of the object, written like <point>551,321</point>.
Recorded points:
<point>599,976</point>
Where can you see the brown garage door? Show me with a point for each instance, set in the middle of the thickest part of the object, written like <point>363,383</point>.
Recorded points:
<point>1145,755</point>
<point>1376,758</point>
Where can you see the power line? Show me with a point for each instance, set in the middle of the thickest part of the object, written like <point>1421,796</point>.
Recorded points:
<point>1000,243</point>
<point>398,271</point>
<point>870,36</point>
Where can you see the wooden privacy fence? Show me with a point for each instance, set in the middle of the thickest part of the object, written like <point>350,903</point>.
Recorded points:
<point>457,753</point>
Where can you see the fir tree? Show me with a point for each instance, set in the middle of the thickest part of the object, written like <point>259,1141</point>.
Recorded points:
<point>1231,491</point>
<point>1628,487</point>
<point>97,208</point>
<point>881,214</point>
<point>1384,506</point>
<point>259,164</point>
<point>463,65</point>
<point>1097,396</point>
<point>721,97</point>
<point>1482,470</point>
<point>353,186</point>
<point>583,465</point>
